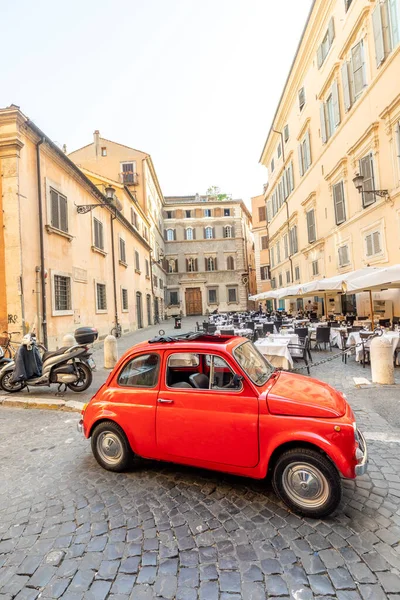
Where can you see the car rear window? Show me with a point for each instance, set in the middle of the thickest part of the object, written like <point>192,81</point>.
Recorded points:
<point>141,371</point>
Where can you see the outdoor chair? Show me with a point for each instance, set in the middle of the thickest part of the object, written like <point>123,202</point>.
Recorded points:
<point>302,332</point>
<point>322,337</point>
<point>206,325</point>
<point>211,328</point>
<point>228,332</point>
<point>366,355</point>
<point>249,325</point>
<point>384,322</point>
<point>301,352</point>
<point>199,326</point>
<point>268,328</point>
<point>335,325</point>
<point>355,328</point>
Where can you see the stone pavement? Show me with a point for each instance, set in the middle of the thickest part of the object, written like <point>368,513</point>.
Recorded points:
<point>70,529</point>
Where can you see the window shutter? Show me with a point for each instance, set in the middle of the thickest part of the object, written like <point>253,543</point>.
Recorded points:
<point>195,264</point>
<point>331,31</point>
<point>335,102</point>
<point>174,234</point>
<point>346,86</point>
<point>376,239</point>
<point>213,232</point>
<point>204,233</point>
<point>269,211</point>
<point>323,122</point>
<point>378,35</point>
<point>185,234</point>
<point>215,264</point>
<point>291,176</point>
<point>368,241</point>
<point>187,265</point>
<point>54,209</point>
<point>165,235</point>
<point>308,148</point>
<point>338,199</point>
<point>194,233</point>
<point>101,235</point>
<point>63,214</point>
<point>283,183</point>
<point>301,170</point>
<point>394,22</point>
<point>320,58</point>
<point>206,264</point>
<point>357,58</point>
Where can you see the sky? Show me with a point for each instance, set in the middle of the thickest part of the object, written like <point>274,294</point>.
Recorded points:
<point>195,83</point>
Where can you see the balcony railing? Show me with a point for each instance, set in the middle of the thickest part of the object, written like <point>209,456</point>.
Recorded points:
<point>129,178</point>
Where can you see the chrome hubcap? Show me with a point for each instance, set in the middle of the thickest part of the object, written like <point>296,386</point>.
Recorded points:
<point>305,485</point>
<point>109,447</point>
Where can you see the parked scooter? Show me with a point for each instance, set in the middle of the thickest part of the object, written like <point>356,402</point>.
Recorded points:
<point>69,366</point>
<point>3,360</point>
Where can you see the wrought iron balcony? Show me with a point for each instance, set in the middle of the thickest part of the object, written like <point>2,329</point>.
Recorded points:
<point>129,178</point>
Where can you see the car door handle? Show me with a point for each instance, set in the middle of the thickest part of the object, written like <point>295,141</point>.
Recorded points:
<point>164,401</point>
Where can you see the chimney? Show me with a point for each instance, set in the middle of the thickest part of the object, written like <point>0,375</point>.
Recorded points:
<point>64,148</point>
<point>96,139</point>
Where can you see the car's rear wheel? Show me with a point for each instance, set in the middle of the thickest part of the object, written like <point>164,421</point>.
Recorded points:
<point>110,447</point>
<point>308,482</point>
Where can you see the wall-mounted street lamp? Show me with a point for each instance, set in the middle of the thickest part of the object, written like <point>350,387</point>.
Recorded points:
<point>359,185</point>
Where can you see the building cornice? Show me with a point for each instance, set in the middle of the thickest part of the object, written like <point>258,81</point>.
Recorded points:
<point>341,166</point>
<point>304,128</point>
<point>333,72</point>
<point>351,38</point>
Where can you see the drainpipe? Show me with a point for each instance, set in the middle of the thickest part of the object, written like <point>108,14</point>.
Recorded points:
<point>41,244</point>
<point>113,266</point>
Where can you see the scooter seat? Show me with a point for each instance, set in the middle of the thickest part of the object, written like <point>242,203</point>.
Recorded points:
<point>48,354</point>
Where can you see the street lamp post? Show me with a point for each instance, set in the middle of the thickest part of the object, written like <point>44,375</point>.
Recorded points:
<point>359,185</point>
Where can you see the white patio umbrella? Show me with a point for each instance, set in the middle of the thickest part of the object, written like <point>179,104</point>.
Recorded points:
<point>383,278</point>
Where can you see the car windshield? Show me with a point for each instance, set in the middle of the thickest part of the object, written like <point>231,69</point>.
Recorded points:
<point>253,363</point>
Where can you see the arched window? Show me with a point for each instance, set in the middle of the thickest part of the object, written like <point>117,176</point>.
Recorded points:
<point>170,235</point>
<point>228,231</point>
<point>209,233</point>
<point>172,265</point>
<point>189,233</point>
<point>210,264</point>
<point>230,263</point>
<point>191,265</point>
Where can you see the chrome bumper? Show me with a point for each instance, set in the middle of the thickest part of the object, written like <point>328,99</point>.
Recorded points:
<point>79,426</point>
<point>361,467</point>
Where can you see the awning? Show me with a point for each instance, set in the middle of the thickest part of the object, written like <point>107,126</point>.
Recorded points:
<point>384,278</point>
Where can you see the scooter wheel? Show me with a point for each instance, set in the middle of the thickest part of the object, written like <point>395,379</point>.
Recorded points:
<point>7,386</point>
<point>85,378</point>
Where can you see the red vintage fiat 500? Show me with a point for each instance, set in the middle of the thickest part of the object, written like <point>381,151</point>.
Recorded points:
<point>217,403</point>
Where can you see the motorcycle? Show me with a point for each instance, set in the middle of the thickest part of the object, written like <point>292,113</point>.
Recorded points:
<point>69,366</point>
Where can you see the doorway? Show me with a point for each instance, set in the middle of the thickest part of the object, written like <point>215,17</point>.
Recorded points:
<point>148,304</point>
<point>193,301</point>
<point>139,310</point>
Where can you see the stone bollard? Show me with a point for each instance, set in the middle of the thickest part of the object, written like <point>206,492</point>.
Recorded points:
<point>68,340</point>
<point>382,369</point>
<point>110,352</point>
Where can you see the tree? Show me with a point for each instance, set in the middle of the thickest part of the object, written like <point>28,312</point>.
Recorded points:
<point>215,192</point>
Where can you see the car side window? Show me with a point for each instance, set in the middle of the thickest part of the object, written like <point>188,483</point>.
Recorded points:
<point>200,371</point>
<point>141,371</point>
<point>220,374</point>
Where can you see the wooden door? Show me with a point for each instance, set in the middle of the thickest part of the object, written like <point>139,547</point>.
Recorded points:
<point>193,301</point>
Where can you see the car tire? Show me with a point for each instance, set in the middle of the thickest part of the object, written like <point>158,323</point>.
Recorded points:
<point>110,447</point>
<point>308,482</point>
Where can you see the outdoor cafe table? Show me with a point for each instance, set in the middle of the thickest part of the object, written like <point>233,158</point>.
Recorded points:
<point>275,349</point>
<point>335,337</point>
<point>241,332</point>
<point>355,338</point>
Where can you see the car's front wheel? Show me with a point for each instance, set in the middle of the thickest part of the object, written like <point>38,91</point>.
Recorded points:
<point>110,447</point>
<point>308,482</point>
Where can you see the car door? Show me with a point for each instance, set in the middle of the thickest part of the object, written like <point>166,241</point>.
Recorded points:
<point>217,425</point>
<point>134,392</point>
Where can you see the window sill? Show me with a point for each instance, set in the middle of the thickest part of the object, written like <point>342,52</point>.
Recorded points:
<point>138,271</point>
<point>212,303</point>
<point>125,310</point>
<point>236,302</point>
<point>123,264</point>
<point>62,313</point>
<point>148,277</point>
<point>100,311</point>
<point>50,229</point>
<point>99,251</point>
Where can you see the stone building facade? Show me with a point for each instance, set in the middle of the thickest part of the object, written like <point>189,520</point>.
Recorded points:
<point>209,253</point>
<point>339,115</point>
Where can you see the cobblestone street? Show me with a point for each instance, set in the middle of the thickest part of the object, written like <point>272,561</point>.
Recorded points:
<point>70,529</point>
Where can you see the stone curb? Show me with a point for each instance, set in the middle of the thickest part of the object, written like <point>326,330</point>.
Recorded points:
<point>50,404</point>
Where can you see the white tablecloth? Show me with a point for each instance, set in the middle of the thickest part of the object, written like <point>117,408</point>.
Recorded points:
<point>240,332</point>
<point>355,338</point>
<point>335,337</point>
<point>277,352</point>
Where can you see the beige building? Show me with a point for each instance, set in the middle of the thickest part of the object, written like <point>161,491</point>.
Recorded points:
<point>59,267</point>
<point>135,172</point>
<point>210,255</point>
<point>260,234</point>
<point>339,115</point>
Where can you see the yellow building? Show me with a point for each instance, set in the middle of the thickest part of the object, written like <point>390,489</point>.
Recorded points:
<point>136,174</point>
<point>58,266</point>
<point>260,234</point>
<point>338,116</point>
